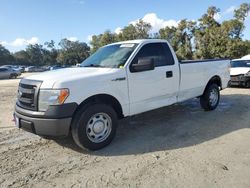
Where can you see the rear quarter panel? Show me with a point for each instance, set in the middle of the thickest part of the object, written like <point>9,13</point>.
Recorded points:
<point>195,76</point>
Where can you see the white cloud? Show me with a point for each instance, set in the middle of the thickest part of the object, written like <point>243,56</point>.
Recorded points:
<point>33,40</point>
<point>248,17</point>
<point>230,10</point>
<point>89,38</point>
<point>157,23</point>
<point>118,30</point>
<point>18,42</point>
<point>217,16</point>
<point>73,39</point>
<point>3,43</point>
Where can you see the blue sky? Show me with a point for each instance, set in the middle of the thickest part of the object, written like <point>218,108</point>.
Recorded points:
<point>25,22</point>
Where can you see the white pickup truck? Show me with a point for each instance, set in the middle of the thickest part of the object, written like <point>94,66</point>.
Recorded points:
<point>119,80</point>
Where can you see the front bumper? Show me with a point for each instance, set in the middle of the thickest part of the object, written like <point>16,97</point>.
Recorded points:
<point>239,80</point>
<point>54,122</point>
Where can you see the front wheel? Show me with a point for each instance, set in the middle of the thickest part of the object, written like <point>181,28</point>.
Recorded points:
<point>210,98</point>
<point>14,76</point>
<point>94,126</point>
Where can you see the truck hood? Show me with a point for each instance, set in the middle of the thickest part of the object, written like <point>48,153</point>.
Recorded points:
<point>239,70</point>
<point>49,78</point>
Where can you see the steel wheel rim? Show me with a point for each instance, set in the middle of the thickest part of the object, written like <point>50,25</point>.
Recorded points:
<point>213,97</point>
<point>99,127</point>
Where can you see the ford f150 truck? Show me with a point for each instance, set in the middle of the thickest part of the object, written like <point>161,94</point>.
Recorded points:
<point>119,80</point>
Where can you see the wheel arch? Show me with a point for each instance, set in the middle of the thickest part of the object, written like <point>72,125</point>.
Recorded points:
<point>106,99</point>
<point>214,80</point>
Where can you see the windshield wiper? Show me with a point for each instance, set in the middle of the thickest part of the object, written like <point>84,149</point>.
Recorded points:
<point>92,65</point>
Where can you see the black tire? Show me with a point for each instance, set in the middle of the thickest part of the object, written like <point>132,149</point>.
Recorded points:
<point>81,122</point>
<point>248,84</point>
<point>205,100</point>
<point>13,76</point>
<point>47,137</point>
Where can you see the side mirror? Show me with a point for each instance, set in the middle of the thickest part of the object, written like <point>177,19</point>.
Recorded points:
<point>144,64</point>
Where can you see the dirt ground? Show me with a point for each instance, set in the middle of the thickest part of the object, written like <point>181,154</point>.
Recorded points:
<point>176,146</point>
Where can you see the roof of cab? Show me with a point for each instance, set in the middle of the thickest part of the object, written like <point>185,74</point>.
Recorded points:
<point>139,41</point>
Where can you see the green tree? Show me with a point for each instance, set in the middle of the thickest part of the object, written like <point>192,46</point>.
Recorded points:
<point>236,48</point>
<point>207,35</point>
<point>248,47</point>
<point>103,39</point>
<point>5,56</point>
<point>242,12</point>
<point>50,53</point>
<point>240,16</point>
<point>72,53</point>
<point>35,53</point>
<point>180,38</point>
<point>95,43</point>
<point>220,40</point>
<point>184,35</point>
<point>128,33</point>
<point>107,37</point>
<point>169,34</point>
<point>50,44</point>
<point>204,39</point>
<point>22,57</point>
<point>140,30</point>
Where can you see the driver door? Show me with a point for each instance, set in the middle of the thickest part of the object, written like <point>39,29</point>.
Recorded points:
<point>153,88</point>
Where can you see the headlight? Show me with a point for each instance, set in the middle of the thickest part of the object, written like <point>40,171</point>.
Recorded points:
<point>49,97</point>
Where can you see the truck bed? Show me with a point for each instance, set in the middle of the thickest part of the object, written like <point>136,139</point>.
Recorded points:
<point>195,74</point>
<point>200,61</point>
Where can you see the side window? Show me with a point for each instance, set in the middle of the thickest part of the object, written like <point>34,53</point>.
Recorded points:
<point>2,69</point>
<point>159,52</point>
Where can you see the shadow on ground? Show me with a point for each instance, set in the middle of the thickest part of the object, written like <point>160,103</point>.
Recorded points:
<point>173,127</point>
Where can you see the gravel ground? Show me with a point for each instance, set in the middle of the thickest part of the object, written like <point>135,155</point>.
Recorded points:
<point>176,146</point>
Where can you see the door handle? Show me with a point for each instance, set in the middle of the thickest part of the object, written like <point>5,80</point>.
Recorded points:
<point>169,74</point>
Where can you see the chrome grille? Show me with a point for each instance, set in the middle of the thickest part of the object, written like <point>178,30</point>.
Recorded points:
<point>28,93</point>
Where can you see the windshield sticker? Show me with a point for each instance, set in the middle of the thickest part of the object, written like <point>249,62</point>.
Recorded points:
<point>127,46</point>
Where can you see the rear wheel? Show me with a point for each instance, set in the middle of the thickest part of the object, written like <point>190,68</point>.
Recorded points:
<point>13,76</point>
<point>94,126</point>
<point>210,98</point>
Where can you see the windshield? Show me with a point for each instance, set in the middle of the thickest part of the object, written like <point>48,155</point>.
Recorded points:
<point>240,63</point>
<point>113,56</point>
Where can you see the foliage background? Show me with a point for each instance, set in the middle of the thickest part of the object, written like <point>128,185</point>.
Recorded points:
<point>203,39</point>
